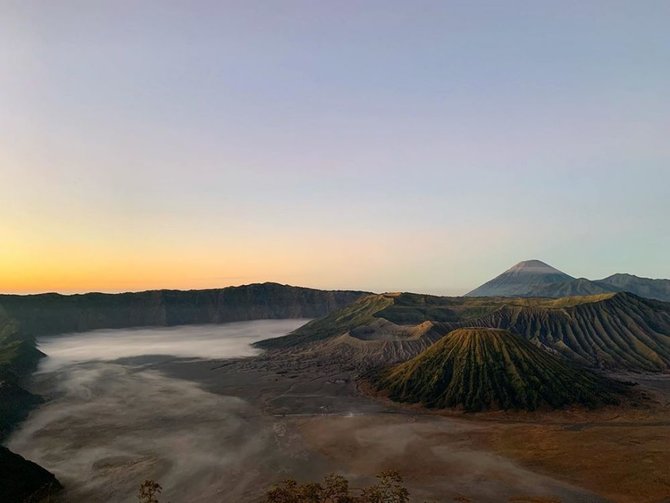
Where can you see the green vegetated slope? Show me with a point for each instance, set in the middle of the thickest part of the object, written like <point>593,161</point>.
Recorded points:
<point>615,331</point>
<point>359,313</point>
<point>483,368</point>
<point>398,308</point>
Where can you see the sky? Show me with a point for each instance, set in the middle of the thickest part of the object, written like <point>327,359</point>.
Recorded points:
<point>380,145</point>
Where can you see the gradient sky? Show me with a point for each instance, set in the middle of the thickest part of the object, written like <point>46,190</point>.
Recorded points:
<point>380,145</point>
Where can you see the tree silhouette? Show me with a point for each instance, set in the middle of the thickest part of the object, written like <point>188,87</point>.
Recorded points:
<point>149,491</point>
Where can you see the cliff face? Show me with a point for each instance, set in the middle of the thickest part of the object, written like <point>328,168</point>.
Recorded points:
<point>53,313</point>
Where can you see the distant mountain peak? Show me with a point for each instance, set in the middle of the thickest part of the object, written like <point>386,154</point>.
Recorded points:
<point>533,266</point>
<point>521,279</point>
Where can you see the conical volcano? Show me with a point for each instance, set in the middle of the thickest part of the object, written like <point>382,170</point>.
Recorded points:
<point>482,368</point>
<point>520,280</point>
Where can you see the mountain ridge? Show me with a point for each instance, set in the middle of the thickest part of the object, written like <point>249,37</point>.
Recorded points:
<point>608,331</point>
<point>520,279</point>
<point>534,278</point>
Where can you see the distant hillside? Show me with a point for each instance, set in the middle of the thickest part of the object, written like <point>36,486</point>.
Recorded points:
<point>658,289</point>
<point>644,287</point>
<point>572,288</point>
<point>533,278</point>
<point>520,280</point>
<point>614,331</point>
<point>53,313</point>
<point>482,368</point>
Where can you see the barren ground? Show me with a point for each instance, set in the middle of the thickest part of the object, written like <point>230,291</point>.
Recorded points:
<point>617,454</point>
<point>225,430</point>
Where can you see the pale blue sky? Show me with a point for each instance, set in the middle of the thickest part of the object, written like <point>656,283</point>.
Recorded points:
<point>387,145</point>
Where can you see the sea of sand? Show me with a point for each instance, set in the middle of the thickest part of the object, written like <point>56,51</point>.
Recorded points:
<point>212,419</point>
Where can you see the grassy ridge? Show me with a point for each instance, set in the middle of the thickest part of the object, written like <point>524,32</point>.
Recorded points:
<point>619,331</point>
<point>613,330</point>
<point>479,368</point>
<point>359,313</point>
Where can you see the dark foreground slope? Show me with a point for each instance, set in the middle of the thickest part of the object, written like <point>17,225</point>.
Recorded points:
<point>612,331</point>
<point>24,481</point>
<point>20,480</point>
<point>18,357</point>
<point>482,368</point>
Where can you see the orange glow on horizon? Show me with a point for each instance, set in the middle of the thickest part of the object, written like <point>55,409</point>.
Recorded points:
<point>28,267</point>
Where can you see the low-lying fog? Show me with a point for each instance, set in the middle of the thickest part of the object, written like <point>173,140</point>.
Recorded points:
<point>230,340</point>
<point>118,412</point>
<point>110,423</point>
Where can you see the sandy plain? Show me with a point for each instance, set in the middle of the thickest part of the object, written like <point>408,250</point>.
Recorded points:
<point>224,430</point>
